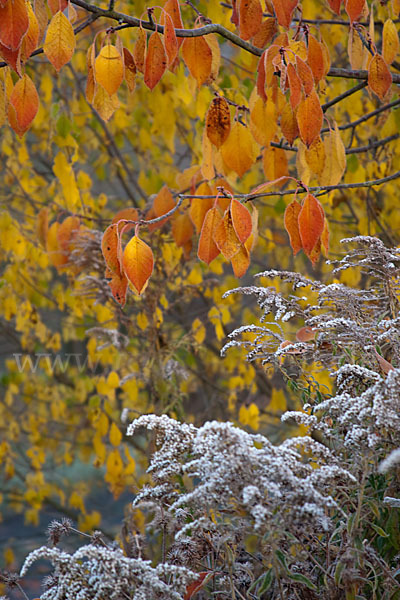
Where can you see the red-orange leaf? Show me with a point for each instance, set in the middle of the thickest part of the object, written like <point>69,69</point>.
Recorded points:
<point>12,58</point>
<point>306,334</point>
<point>208,250</point>
<point>31,37</point>
<point>137,262</point>
<point>162,204</point>
<point>309,118</point>
<point>335,5</point>
<point>250,17</point>
<point>289,126</point>
<point>306,75</point>
<point>174,11</point>
<point>315,58</point>
<point>119,287</point>
<point>266,32</point>
<point>241,220</point>
<point>311,223</point>
<point>284,11</point>
<point>14,23</point>
<point>379,76</point>
<point>56,5</point>
<point>196,585</point>
<point>170,40</point>
<point>218,121</point>
<point>156,61</point>
<point>291,220</point>
<point>110,249</point>
<point>198,58</point>
<point>25,101</point>
<point>354,8</point>
<point>294,85</point>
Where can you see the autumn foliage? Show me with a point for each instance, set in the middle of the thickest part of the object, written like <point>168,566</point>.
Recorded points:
<point>151,156</point>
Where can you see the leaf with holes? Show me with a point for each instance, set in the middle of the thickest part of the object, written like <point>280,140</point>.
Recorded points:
<point>218,121</point>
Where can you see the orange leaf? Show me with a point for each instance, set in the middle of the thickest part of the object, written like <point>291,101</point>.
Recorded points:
<point>354,8</point>
<point>225,236</point>
<point>137,262</point>
<point>131,214</point>
<point>90,82</point>
<point>241,220</point>
<point>289,127</point>
<point>163,203</point>
<point>305,75</point>
<point>240,262</point>
<point>25,100</point>
<point>315,58</point>
<point>379,76</point>
<point>182,229</point>
<point>325,238</point>
<point>315,252</point>
<point>200,206</point>
<point>31,37</point>
<point>335,5</point>
<point>309,118</point>
<point>109,69</point>
<point>250,17</point>
<point>129,70</point>
<point>275,164</point>
<point>156,61</point>
<point>12,58</point>
<point>208,250</point>
<point>266,32</point>
<point>239,150</point>
<point>261,77</point>
<point>198,58</point>
<point>306,334</point>
<point>110,248</point>
<point>390,42</point>
<point>174,11</point>
<point>66,233</point>
<point>218,121</point>
<point>56,255</point>
<point>56,5</point>
<point>59,44</point>
<point>311,223</point>
<point>139,51</point>
<point>41,15</point>
<point>291,220</point>
<point>119,287</point>
<point>170,40</point>
<point>294,85</point>
<point>14,23</point>
<point>194,587</point>
<point>284,11</point>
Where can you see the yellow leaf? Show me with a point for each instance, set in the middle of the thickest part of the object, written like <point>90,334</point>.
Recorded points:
<point>390,42</point>
<point>263,120</point>
<point>199,331</point>
<point>142,320</point>
<point>113,380</point>
<point>109,69</point>
<point>239,152</point>
<point>59,44</point>
<point>115,435</point>
<point>64,173</point>
<point>335,158</point>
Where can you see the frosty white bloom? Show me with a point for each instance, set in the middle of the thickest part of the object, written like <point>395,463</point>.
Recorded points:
<point>390,461</point>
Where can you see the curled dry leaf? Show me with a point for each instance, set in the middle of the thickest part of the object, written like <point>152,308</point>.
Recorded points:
<point>138,262</point>
<point>306,334</point>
